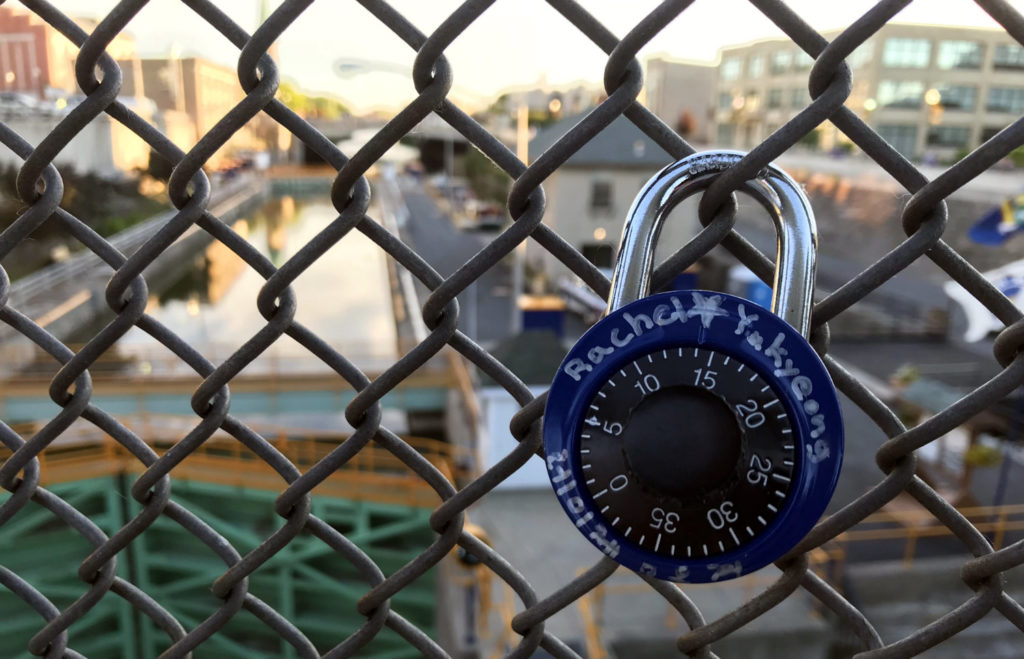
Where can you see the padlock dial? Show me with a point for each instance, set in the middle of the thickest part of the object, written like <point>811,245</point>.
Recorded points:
<point>693,436</point>
<point>687,452</point>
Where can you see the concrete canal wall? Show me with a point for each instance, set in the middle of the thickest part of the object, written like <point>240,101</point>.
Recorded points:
<point>66,296</point>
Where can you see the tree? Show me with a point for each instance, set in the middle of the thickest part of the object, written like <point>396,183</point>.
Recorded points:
<point>307,105</point>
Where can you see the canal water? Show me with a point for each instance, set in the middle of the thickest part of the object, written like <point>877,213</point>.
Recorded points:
<point>344,297</point>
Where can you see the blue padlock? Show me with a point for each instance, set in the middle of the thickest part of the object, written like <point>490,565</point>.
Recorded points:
<point>695,436</point>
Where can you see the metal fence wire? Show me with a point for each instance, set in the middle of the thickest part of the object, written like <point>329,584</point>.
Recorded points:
<point>39,186</point>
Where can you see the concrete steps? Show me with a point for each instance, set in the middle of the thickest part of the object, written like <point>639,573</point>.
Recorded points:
<point>899,601</point>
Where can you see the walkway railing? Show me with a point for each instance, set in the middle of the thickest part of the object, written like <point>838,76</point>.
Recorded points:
<point>373,474</point>
<point>909,525</point>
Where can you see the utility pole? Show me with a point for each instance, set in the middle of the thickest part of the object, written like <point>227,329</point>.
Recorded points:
<point>519,254</point>
<point>264,15</point>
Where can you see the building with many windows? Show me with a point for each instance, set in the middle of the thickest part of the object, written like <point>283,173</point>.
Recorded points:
<point>193,94</point>
<point>932,92</point>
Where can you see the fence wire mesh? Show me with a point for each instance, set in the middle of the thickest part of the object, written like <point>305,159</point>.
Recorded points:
<point>39,186</point>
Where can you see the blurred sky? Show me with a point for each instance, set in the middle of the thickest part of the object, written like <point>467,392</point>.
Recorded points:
<point>514,43</point>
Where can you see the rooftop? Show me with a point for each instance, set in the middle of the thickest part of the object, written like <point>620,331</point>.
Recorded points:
<point>620,144</point>
<point>532,355</point>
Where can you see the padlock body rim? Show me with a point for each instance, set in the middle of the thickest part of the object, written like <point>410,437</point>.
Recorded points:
<point>813,484</point>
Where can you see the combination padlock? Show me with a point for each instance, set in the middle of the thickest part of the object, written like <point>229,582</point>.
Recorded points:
<point>694,436</point>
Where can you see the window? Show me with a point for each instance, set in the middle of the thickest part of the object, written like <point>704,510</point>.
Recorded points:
<point>774,98</point>
<point>957,97</point>
<point>725,101</point>
<point>803,61</point>
<point>862,55</point>
<point>752,100</point>
<point>798,98</point>
<point>903,138</point>
<point>1005,99</point>
<point>726,134</point>
<point>601,197</point>
<point>599,254</point>
<point>959,55</point>
<point>989,132</point>
<point>955,136</point>
<point>755,68</point>
<point>731,68</point>
<point>907,53</point>
<point>900,93</point>
<point>1009,56</point>
<point>781,62</point>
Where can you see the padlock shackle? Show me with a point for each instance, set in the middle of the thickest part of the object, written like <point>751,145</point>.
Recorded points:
<point>780,195</point>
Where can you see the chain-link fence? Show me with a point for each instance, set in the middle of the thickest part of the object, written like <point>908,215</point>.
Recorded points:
<point>155,503</point>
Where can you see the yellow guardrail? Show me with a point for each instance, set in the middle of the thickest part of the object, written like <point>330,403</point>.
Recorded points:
<point>910,522</point>
<point>373,474</point>
<point>493,601</point>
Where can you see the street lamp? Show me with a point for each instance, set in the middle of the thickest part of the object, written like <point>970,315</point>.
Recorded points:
<point>933,99</point>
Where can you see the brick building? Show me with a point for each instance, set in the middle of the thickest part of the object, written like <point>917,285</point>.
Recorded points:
<point>36,59</point>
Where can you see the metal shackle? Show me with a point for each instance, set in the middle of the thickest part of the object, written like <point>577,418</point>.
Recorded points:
<point>780,195</point>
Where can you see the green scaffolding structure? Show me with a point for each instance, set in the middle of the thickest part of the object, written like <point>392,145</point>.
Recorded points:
<point>306,581</point>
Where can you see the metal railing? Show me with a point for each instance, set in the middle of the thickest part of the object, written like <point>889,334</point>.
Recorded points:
<point>910,525</point>
<point>829,82</point>
<point>373,474</point>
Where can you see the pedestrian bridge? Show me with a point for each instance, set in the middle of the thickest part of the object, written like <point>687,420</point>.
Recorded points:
<point>374,499</point>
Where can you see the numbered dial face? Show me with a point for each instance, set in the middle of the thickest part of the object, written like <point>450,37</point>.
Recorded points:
<point>693,436</point>
<point>687,452</point>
